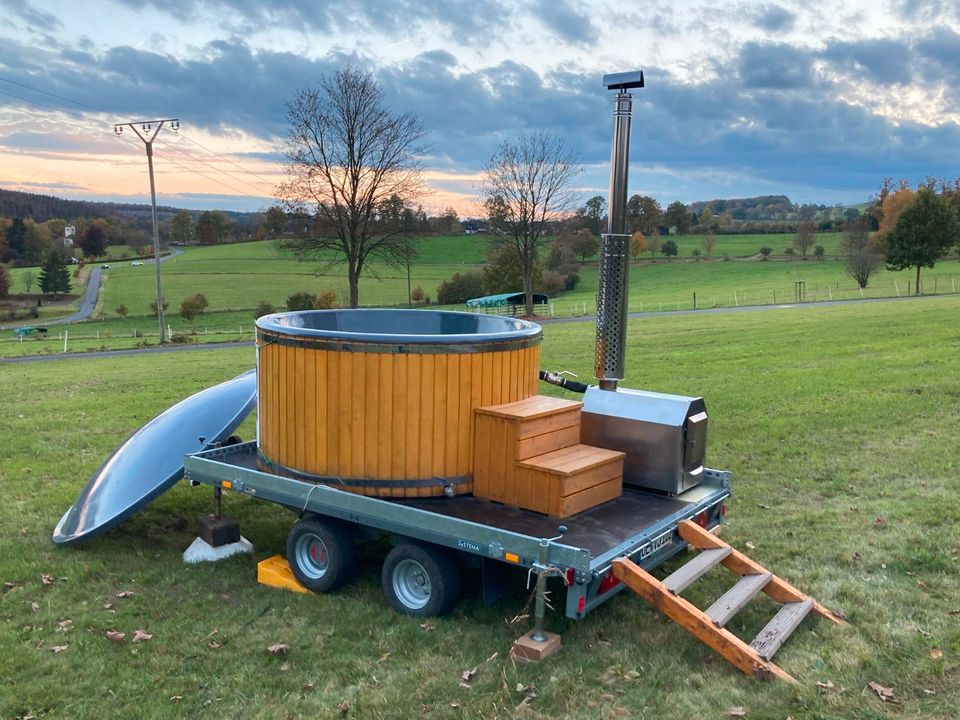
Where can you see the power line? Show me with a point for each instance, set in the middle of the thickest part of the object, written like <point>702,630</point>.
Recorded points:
<point>185,137</point>
<point>50,94</point>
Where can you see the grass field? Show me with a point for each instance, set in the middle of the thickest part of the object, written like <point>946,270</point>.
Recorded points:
<point>839,424</point>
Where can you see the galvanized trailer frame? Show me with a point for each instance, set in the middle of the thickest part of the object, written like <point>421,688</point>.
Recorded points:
<point>639,525</point>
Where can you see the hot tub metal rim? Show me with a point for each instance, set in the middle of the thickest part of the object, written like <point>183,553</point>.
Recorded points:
<point>268,337</point>
<point>515,330</point>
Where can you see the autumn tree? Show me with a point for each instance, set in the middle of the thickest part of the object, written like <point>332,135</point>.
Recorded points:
<point>585,244</point>
<point>347,155</point>
<point>644,214</point>
<point>653,243</point>
<point>4,281</point>
<point>592,214</point>
<point>28,279</point>
<point>709,242</point>
<point>93,242</point>
<point>122,311</point>
<point>527,182</point>
<point>192,306</point>
<point>678,217</point>
<point>805,237</point>
<point>211,227</point>
<point>638,244</point>
<point>861,251</point>
<point>181,228</point>
<point>926,229</point>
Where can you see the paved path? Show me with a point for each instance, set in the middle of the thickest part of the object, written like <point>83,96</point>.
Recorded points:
<point>583,319</point>
<point>90,296</point>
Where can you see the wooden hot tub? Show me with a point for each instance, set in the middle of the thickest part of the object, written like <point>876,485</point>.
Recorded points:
<point>380,402</point>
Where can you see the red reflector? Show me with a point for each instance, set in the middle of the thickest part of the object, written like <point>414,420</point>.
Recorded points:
<point>723,509</point>
<point>581,604</point>
<point>701,519</point>
<point>607,582</point>
<point>571,575</point>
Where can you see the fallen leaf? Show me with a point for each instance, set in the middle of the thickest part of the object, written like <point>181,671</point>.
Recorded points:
<point>58,648</point>
<point>468,675</point>
<point>751,546</point>
<point>108,606</point>
<point>285,667</point>
<point>736,712</point>
<point>343,708</point>
<point>880,523</point>
<point>825,686</point>
<point>35,606</point>
<point>884,693</point>
<point>115,636</point>
<point>125,594</point>
<point>176,698</point>
<point>11,585</point>
<point>631,675</point>
<point>307,686</point>
<point>929,692</point>
<point>936,654</point>
<point>47,579</point>
<point>428,626</point>
<point>383,658</point>
<point>619,712</point>
<point>214,645</point>
<point>279,649</point>
<point>141,635</point>
<point>64,625</point>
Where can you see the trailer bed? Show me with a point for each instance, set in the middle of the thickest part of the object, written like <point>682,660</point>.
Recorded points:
<point>639,525</point>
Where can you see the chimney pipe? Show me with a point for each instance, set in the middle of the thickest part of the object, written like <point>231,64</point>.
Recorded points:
<point>613,273</point>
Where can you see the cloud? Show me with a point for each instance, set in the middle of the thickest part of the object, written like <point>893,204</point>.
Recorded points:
<point>36,18</point>
<point>774,18</point>
<point>566,23</point>
<point>884,61</point>
<point>774,65</point>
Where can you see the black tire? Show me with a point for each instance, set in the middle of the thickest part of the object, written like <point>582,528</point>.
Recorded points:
<point>322,554</point>
<point>421,580</point>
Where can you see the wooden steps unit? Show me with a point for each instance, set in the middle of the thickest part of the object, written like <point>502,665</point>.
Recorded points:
<point>528,454</point>
<point>707,626</point>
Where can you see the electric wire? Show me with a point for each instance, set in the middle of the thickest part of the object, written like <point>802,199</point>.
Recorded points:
<point>186,153</point>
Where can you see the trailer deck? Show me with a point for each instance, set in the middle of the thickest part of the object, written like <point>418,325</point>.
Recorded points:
<point>638,525</point>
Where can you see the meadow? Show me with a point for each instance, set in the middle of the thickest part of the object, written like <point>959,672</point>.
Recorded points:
<point>839,424</point>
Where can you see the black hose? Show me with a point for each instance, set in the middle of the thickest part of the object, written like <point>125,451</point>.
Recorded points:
<point>560,381</point>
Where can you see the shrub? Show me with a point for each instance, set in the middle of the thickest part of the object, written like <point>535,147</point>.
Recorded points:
<point>263,307</point>
<point>819,251</point>
<point>765,251</point>
<point>301,301</point>
<point>696,253</point>
<point>789,251</point>
<point>460,288</point>
<point>193,306</point>
<point>122,310</point>
<point>153,306</point>
<point>417,294</point>
<point>552,283</point>
<point>181,339</point>
<point>327,300</point>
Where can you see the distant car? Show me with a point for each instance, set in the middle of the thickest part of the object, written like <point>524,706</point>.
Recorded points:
<point>136,263</point>
<point>105,266</point>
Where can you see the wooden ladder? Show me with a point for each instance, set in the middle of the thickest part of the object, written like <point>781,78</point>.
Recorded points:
<point>708,625</point>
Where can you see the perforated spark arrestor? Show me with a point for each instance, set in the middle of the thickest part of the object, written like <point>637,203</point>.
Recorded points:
<point>611,307</point>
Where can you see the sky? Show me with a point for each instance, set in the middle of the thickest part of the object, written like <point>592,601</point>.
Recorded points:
<point>816,100</point>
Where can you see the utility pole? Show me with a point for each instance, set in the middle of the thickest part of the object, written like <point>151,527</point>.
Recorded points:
<point>146,126</point>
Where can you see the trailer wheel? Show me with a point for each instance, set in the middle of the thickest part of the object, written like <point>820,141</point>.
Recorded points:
<point>321,553</point>
<point>421,580</point>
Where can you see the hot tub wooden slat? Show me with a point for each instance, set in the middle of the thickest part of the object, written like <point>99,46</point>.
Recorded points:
<point>384,415</point>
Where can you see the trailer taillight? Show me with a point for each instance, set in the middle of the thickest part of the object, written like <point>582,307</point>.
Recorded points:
<point>701,519</point>
<point>723,510</point>
<point>607,582</point>
<point>570,576</point>
<point>581,604</point>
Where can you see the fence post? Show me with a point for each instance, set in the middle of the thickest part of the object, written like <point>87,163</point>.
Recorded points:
<point>694,300</point>
<point>895,285</point>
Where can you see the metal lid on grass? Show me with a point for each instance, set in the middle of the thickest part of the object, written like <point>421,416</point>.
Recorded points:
<point>150,462</point>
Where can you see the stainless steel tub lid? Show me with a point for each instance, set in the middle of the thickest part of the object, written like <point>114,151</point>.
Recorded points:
<point>151,460</point>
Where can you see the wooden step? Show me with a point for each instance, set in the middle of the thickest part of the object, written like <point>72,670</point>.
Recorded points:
<point>685,576</point>
<point>779,628</point>
<point>734,600</point>
<point>535,415</point>
<point>574,459</point>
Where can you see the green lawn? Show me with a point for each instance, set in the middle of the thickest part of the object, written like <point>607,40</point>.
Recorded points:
<point>749,245</point>
<point>839,424</point>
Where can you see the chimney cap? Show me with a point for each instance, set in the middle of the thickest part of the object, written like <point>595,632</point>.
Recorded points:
<point>624,80</point>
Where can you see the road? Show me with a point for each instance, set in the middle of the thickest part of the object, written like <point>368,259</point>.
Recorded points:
<point>91,294</point>
<point>583,319</point>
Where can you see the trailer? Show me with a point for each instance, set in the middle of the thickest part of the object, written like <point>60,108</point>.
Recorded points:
<point>432,537</point>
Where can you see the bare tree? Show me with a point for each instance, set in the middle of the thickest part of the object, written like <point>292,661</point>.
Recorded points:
<point>526,183</point>
<point>862,256</point>
<point>805,237</point>
<point>353,172</point>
